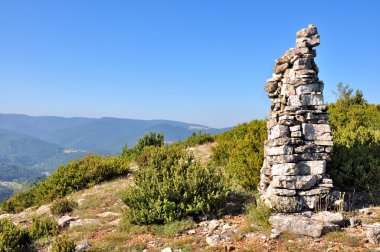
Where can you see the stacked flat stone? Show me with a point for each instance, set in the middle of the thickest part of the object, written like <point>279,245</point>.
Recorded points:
<point>299,141</point>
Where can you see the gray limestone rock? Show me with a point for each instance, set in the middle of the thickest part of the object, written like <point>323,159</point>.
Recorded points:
<point>329,217</point>
<point>309,88</point>
<point>280,150</point>
<point>279,131</point>
<point>285,169</point>
<point>213,240</point>
<point>282,192</point>
<point>295,182</point>
<point>283,204</point>
<point>312,167</point>
<point>373,233</point>
<point>65,220</point>
<point>299,138</point>
<point>280,68</point>
<point>301,225</point>
<point>307,32</point>
<point>319,132</point>
<point>271,86</point>
<point>281,159</point>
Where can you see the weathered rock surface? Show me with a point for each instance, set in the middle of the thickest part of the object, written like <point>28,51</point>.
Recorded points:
<point>302,225</point>
<point>65,220</point>
<point>329,217</point>
<point>373,233</point>
<point>299,136</point>
<point>213,240</point>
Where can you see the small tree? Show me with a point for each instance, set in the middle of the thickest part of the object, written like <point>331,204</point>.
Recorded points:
<point>170,185</point>
<point>151,139</point>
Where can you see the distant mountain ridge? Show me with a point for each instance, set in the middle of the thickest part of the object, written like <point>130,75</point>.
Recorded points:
<point>34,146</point>
<point>104,135</point>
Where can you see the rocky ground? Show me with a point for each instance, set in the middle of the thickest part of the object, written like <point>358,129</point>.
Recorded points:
<point>96,225</point>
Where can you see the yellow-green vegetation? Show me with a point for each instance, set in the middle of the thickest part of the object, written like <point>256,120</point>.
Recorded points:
<point>343,237</point>
<point>63,206</point>
<point>257,215</point>
<point>63,244</point>
<point>76,175</point>
<point>240,152</point>
<point>13,238</point>
<point>199,139</point>
<point>171,185</point>
<point>151,139</point>
<point>172,229</point>
<point>168,230</point>
<point>355,125</point>
<point>43,228</point>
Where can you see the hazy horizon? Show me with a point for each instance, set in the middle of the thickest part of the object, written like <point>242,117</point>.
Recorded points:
<point>202,62</point>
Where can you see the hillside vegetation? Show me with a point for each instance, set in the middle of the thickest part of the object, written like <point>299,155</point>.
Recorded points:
<point>355,125</point>
<point>76,175</point>
<point>169,190</point>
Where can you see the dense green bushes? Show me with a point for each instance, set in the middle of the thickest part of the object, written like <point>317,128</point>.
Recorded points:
<point>355,125</point>
<point>151,139</point>
<point>76,175</point>
<point>199,139</point>
<point>63,244</point>
<point>241,151</point>
<point>13,238</point>
<point>43,228</point>
<point>170,185</point>
<point>63,206</point>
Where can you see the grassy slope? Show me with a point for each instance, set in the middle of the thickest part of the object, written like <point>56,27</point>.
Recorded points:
<point>104,235</point>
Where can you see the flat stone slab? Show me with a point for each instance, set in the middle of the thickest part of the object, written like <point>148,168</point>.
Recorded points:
<point>65,220</point>
<point>295,182</point>
<point>373,233</point>
<point>302,225</point>
<point>329,217</point>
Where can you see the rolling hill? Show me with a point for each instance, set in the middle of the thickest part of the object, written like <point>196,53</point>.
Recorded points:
<point>104,135</point>
<point>34,146</point>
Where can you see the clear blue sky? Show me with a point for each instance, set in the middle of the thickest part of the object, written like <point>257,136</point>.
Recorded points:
<point>195,61</point>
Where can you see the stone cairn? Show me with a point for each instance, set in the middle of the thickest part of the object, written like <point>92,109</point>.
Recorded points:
<point>299,141</point>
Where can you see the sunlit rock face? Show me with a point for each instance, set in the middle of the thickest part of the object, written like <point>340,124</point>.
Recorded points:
<point>299,143</point>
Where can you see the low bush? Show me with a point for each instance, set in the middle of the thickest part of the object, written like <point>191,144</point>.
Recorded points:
<point>18,201</point>
<point>199,139</point>
<point>355,126</point>
<point>170,185</point>
<point>151,139</point>
<point>172,229</point>
<point>63,244</point>
<point>13,238</point>
<point>43,227</point>
<point>240,152</point>
<point>258,215</point>
<point>63,206</point>
<point>76,175</point>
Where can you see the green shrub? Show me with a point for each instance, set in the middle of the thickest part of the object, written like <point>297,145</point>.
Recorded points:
<point>151,139</point>
<point>355,126</point>
<point>63,244</point>
<point>241,152</point>
<point>258,215</point>
<point>76,175</point>
<point>171,185</point>
<point>43,227</point>
<point>199,139</point>
<point>18,201</point>
<point>63,206</point>
<point>172,229</point>
<point>12,238</point>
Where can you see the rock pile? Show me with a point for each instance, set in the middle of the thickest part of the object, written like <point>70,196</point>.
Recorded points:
<point>299,141</point>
